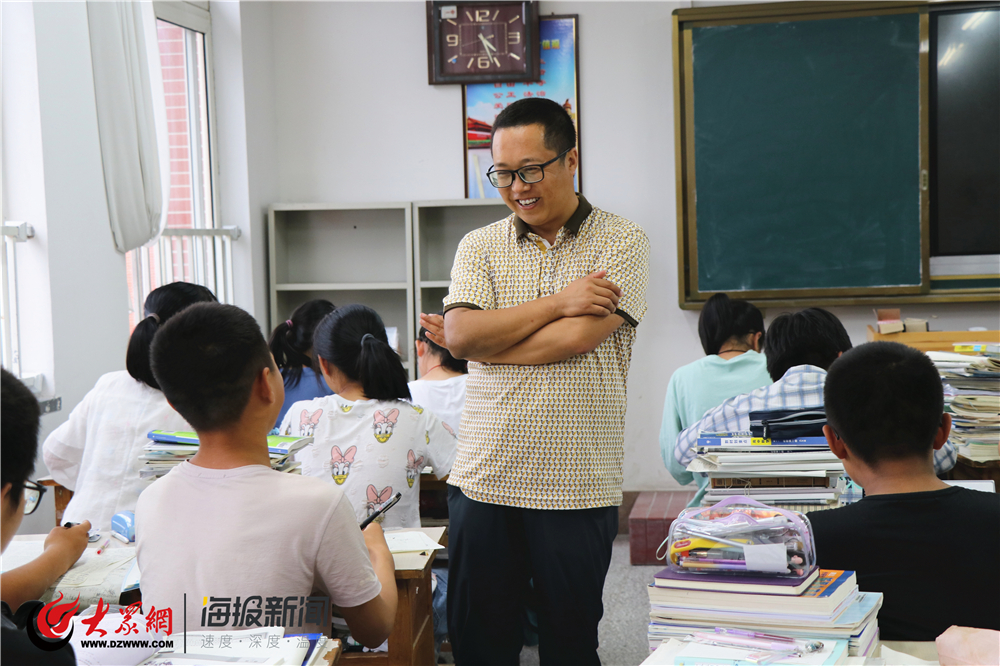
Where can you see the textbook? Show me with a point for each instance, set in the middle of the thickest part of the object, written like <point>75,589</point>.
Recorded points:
<point>822,597</point>
<point>275,443</point>
<point>751,442</point>
<point>743,584</point>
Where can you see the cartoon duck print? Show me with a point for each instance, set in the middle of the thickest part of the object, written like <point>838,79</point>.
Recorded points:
<point>377,499</point>
<point>448,428</point>
<point>340,463</point>
<point>418,409</point>
<point>346,408</point>
<point>413,467</point>
<point>307,422</point>
<point>384,423</point>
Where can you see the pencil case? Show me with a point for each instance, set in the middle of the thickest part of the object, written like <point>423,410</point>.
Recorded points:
<point>788,423</point>
<point>740,536</point>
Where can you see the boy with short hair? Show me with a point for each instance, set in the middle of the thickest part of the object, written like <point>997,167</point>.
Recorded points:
<point>225,525</point>
<point>930,548</point>
<point>63,547</point>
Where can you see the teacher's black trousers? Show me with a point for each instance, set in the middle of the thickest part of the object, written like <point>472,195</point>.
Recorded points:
<point>494,551</point>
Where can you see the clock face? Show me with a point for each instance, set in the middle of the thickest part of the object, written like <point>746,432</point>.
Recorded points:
<point>475,42</point>
<point>484,40</point>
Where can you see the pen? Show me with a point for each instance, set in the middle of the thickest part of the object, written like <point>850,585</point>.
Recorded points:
<point>388,505</point>
<point>69,524</point>
<point>756,643</point>
<point>105,545</point>
<point>808,646</point>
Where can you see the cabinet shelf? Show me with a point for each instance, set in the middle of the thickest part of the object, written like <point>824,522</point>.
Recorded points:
<point>341,286</point>
<point>435,284</point>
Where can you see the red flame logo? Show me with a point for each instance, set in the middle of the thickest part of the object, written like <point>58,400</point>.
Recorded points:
<point>55,618</point>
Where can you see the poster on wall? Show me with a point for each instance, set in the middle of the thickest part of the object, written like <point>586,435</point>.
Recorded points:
<point>484,101</point>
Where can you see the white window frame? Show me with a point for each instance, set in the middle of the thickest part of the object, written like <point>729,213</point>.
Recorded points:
<point>196,16</point>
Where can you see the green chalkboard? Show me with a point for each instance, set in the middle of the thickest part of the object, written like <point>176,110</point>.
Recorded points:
<point>807,164</point>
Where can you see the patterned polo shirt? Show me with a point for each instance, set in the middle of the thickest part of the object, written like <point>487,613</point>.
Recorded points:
<point>548,436</point>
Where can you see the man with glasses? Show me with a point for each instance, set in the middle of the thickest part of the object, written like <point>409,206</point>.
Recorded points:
<point>544,303</point>
<point>20,497</point>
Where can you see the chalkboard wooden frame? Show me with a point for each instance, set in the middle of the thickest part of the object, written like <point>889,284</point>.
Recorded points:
<point>684,22</point>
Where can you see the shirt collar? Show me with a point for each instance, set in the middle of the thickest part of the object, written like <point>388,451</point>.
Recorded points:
<point>573,224</point>
<point>797,370</point>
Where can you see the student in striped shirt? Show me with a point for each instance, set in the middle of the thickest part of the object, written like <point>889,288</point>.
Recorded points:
<point>799,347</point>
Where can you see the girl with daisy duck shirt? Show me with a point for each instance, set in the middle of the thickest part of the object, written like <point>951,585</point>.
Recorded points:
<point>368,438</point>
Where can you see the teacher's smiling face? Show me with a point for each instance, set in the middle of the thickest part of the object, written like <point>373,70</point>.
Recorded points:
<point>544,205</point>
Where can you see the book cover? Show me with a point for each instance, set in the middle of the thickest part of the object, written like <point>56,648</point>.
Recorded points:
<point>739,440</point>
<point>275,443</point>
<point>793,585</point>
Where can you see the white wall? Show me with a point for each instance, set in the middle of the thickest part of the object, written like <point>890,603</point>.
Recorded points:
<point>354,120</point>
<point>72,289</point>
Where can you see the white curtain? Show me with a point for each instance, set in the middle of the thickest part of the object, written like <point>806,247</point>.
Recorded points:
<point>131,118</point>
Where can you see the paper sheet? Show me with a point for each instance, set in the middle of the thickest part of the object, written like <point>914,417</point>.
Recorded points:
<point>19,553</point>
<point>118,656</point>
<point>410,542</point>
<point>766,557</point>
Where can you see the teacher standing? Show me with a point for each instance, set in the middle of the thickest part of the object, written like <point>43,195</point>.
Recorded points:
<point>544,303</point>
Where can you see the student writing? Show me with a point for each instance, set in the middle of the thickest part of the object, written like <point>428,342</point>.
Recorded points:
<point>95,453</point>
<point>226,525</point>
<point>369,440</point>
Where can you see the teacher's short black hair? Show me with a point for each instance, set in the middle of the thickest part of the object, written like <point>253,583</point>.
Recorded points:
<point>810,337</point>
<point>885,401</point>
<point>560,133</point>
<point>19,437</point>
<point>206,359</point>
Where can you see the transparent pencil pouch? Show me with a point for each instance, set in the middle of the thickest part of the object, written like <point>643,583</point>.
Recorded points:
<point>740,536</point>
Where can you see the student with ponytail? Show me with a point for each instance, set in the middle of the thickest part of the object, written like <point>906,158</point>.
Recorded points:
<point>368,438</point>
<point>732,335</point>
<point>292,347</point>
<point>95,453</point>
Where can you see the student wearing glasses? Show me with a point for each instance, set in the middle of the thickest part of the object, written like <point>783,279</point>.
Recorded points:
<point>544,304</point>
<point>20,497</point>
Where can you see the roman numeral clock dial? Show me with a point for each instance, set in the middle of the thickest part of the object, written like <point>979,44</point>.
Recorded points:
<point>482,42</point>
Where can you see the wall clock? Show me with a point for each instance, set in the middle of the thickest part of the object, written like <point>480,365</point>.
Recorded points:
<point>482,42</point>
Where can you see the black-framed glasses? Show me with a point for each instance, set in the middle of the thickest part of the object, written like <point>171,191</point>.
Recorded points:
<point>529,174</point>
<point>32,496</point>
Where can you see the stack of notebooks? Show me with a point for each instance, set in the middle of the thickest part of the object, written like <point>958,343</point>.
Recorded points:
<point>801,471</point>
<point>168,448</point>
<point>972,397</point>
<point>823,605</point>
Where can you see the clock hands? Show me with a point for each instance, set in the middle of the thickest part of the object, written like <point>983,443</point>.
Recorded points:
<point>486,44</point>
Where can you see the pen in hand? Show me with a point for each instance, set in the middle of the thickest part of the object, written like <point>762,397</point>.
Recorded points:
<point>388,505</point>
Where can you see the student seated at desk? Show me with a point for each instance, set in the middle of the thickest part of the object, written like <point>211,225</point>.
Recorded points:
<point>292,347</point>
<point>441,387</point>
<point>225,524</point>
<point>63,547</point>
<point>732,334</point>
<point>95,453</point>
<point>799,348</point>
<point>368,439</point>
<point>932,549</point>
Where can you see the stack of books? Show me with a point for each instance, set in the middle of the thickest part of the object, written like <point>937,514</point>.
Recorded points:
<point>822,605</point>
<point>168,448</point>
<point>800,471</point>
<point>972,397</point>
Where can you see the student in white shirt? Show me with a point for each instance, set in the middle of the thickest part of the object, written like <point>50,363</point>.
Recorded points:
<point>95,453</point>
<point>369,440</point>
<point>230,532</point>
<point>441,387</point>
<point>291,345</point>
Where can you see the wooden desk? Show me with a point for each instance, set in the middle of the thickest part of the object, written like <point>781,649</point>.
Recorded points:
<point>412,639</point>
<point>62,496</point>
<point>934,340</point>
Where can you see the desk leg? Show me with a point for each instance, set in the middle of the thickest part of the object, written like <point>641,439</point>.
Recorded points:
<point>412,639</point>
